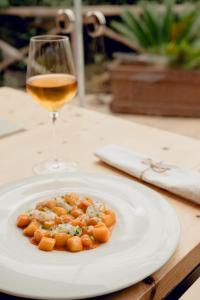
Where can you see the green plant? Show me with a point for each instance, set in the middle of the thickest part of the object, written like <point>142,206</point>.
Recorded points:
<point>183,55</point>
<point>152,31</point>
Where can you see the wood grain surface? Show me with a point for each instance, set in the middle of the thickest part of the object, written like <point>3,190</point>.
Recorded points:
<point>80,133</point>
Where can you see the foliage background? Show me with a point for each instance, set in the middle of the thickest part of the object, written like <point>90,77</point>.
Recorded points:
<point>7,3</point>
<point>17,31</point>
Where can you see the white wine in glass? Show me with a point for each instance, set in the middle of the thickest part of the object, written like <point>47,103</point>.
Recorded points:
<point>51,82</point>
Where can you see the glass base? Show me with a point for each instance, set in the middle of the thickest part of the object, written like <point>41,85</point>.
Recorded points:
<point>54,166</point>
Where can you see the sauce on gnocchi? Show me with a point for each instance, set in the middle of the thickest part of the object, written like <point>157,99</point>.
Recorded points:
<point>68,222</point>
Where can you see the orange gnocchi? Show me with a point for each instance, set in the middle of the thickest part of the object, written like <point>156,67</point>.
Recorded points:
<point>68,222</point>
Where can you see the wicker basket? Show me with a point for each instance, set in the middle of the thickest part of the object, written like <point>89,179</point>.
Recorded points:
<point>155,90</point>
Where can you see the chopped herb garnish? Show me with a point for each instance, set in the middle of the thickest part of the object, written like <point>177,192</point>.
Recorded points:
<point>78,231</point>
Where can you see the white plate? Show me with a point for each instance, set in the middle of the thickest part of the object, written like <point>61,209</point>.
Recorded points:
<point>144,238</point>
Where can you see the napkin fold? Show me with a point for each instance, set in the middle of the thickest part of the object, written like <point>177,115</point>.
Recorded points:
<point>182,182</point>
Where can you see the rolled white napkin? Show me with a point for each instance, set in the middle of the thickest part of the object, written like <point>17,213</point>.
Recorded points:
<point>182,182</point>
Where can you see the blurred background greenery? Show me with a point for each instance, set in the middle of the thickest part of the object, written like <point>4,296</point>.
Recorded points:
<point>176,36</point>
<point>7,3</point>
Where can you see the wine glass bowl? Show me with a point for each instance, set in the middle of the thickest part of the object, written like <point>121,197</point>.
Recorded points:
<point>52,91</point>
<point>51,82</point>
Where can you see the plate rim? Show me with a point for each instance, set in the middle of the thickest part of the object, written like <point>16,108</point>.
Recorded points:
<point>6,187</point>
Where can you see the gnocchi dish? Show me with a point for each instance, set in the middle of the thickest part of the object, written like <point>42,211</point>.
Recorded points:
<point>68,222</point>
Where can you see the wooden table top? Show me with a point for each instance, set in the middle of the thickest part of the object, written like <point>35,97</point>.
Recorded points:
<point>80,132</point>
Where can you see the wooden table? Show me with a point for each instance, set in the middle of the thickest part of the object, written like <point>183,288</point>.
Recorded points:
<point>82,131</point>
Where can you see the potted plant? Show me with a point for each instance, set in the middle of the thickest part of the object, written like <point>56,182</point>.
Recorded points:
<point>164,78</point>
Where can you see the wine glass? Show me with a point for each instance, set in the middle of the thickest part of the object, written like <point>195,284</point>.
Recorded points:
<point>51,82</point>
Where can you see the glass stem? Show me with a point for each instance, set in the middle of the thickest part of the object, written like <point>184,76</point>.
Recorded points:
<point>54,117</point>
